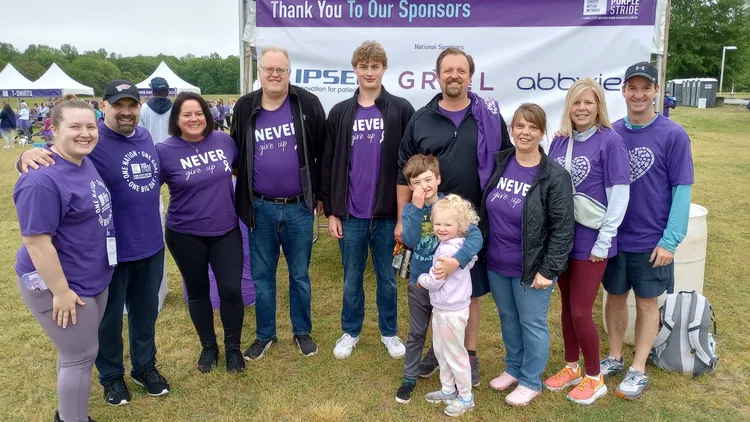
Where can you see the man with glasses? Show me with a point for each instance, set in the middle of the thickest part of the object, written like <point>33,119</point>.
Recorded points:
<point>280,131</point>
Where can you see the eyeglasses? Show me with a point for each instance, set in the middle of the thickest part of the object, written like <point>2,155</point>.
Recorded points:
<point>271,70</point>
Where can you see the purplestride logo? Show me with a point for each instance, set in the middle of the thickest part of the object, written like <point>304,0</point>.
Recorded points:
<point>641,161</point>
<point>611,9</point>
<point>139,169</point>
<point>102,202</point>
<point>580,168</point>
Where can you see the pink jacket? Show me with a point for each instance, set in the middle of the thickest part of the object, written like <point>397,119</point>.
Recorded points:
<point>453,293</point>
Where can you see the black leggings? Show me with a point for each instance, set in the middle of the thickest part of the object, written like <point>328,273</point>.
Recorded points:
<point>192,254</point>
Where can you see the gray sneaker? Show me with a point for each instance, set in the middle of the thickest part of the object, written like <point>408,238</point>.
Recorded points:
<point>459,406</point>
<point>429,364</point>
<point>633,386</point>
<point>440,397</point>
<point>474,361</point>
<point>610,366</point>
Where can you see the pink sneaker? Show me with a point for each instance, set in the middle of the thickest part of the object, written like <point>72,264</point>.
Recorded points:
<point>502,382</point>
<point>521,396</point>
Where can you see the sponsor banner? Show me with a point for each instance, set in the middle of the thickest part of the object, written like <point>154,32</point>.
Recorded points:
<point>36,93</point>
<point>530,51</point>
<point>147,92</point>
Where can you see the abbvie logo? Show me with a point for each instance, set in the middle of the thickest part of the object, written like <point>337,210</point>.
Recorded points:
<point>562,82</point>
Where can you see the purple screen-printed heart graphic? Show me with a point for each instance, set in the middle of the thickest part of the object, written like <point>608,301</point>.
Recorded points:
<point>581,167</point>
<point>641,161</point>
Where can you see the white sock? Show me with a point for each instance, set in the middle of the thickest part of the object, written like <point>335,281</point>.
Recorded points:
<point>574,368</point>
<point>593,377</point>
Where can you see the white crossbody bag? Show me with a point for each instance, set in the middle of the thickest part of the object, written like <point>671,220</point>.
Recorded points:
<point>587,211</point>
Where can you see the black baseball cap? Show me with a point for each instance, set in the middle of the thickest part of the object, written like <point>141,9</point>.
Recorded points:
<point>117,90</point>
<point>159,84</point>
<point>643,69</point>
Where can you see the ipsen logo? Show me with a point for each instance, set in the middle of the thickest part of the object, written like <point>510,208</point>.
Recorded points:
<point>562,82</point>
<point>325,76</point>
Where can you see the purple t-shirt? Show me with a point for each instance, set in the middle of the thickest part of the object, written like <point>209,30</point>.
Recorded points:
<point>276,163</point>
<point>201,193</point>
<point>505,210</point>
<point>598,163</point>
<point>660,159</point>
<point>72,204</point>
<point>129,167</point>
<point>456,116</point>
<point>364,163</point>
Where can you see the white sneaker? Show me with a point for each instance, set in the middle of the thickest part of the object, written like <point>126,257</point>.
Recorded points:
<point>344,346</point>
<point>395,347</point>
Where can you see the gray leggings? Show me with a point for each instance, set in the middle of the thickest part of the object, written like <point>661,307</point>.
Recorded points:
<point>76,346</point>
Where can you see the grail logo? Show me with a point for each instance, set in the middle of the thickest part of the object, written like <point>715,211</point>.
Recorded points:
<point>325,77</point>
<point>562,82</point>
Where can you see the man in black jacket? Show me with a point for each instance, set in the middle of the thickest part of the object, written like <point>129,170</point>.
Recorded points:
<point>358,187</point>
<point>279,130</point>
<point>448,127</point>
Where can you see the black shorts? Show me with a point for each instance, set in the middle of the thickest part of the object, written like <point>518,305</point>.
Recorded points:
<point>631,270</point>
<point>480,283</point>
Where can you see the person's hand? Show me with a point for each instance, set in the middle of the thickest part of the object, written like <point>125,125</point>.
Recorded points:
<point>34,158</point>
<point>334,227</point>
<point>417,198</point>
<point>559,134</point>
<point>540,282</point>
<point>398,231</point>
<point>319,209</point>
<point>64,307</point>
<point>593,258</point>
<point>661,257</point>
<point>445,267</point>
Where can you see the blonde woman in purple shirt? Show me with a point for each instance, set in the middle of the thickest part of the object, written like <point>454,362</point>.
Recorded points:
<point>65,264</point>
<point>450,297</point>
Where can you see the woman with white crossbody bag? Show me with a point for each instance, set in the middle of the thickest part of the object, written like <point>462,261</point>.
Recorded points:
<point>598,162</point>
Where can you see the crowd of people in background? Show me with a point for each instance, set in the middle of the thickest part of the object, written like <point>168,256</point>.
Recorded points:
<point>583,214</point>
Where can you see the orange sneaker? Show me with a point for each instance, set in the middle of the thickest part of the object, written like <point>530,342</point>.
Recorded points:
<point>564,378</point>
<point>588,390</point>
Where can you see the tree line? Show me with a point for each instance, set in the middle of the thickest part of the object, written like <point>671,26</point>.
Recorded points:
<point>699,29</point>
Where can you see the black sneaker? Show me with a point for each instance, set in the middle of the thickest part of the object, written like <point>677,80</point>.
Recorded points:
<point>235,363</point>
<point>306,344</point>
<point>258,348</point>
<point>209,357</point>
<point>57,417</point>
<point>152,381</point>
<point>474,361</point>
<point>429,364</point>
<point>116,392</point>
<point>403,395</point>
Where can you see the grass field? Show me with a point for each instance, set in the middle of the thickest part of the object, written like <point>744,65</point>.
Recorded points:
<point>287,386</point>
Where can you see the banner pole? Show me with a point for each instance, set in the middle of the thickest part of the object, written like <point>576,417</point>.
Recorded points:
<point>664,58</point>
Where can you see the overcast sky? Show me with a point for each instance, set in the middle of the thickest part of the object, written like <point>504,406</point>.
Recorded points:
<point>127,27</point>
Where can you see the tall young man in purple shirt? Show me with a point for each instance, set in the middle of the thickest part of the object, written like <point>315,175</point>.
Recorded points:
<point>358,186</point>
<point>126,159</point>
<point>279,130</point>
<point>661,179</point>
<point>463,130</point>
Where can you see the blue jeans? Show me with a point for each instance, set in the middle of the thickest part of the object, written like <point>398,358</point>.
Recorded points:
<point>291,227</point>
<point>523,323</point>
<point>378,234</point>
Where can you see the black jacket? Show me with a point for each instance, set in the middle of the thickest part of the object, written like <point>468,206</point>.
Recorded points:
<point>309,128</point>
<point>547,222</point>
<point>431,133</point>
<point>334,181</point>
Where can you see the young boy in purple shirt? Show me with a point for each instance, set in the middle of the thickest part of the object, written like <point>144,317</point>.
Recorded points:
<point>359,177</point>
<point>661,178</point>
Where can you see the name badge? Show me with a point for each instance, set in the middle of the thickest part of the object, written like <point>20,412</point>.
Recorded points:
<point>111,251</point>
<point>33,282</point>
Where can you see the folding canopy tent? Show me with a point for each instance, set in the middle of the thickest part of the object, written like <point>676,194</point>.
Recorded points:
<point>14,85</point>
<point>176,84</point>
<point>55,79</point>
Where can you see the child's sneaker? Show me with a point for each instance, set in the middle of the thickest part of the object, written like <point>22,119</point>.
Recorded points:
<point>521,396</point>
<point>403,395</point>
<point>610,366</point>
<point>588,390</point>
<point>459,406</point>
<point>429,364</point>
<point>440,397</point>
<point>564,378</point>
<point>502,382</point>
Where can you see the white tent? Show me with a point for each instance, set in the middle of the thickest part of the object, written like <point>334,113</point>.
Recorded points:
<point>14,84</point>
<point>55,78</point>
<point>176,84</point>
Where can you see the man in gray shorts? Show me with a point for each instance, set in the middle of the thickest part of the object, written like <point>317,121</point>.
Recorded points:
<point>661,178</point>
